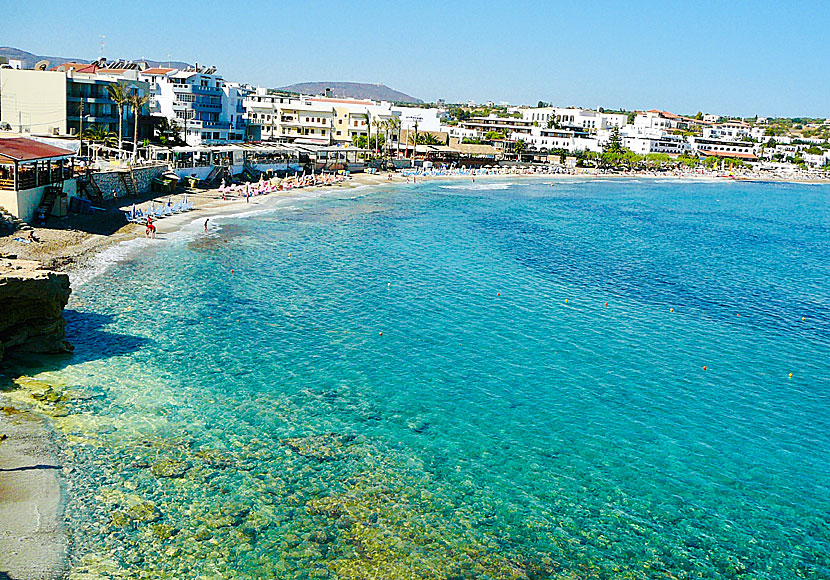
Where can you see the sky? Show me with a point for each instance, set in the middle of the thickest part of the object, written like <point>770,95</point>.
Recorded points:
<point>731,57</point>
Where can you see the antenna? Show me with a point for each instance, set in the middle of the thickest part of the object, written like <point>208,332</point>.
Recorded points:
<point>101,50</point>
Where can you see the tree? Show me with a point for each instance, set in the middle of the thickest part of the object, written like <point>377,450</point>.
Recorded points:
<point>99,134</point>
<point>615,142</point>
<point>378,123</point>
<point>553,123</point>
<point>494,135</point>
<point>542,105</point>
<point>519,147</point>
<point>395,127</point>
<point>168,133</point>
<point>120,96</point>
<point>137,102</point>
<point>699,115</point>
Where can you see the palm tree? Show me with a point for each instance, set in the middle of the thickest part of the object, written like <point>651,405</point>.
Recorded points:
<point>120,96</point>
<point>368,129</point>
<point>137,102</point>
<point>395,125</point>
<point>378,123</point>
<point>99,134</point>
<point>519,147</point>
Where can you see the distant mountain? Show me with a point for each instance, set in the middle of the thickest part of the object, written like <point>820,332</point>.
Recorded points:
<point>29,59</point>
<point>378,92</point>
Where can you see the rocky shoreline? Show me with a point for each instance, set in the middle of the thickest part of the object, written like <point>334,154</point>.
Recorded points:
<point>31,308</point>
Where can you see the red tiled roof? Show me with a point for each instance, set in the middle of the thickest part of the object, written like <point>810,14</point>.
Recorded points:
<point>157,71</point>
<point>665,114</point>
<point>77,66</point>
<point>22,149</point>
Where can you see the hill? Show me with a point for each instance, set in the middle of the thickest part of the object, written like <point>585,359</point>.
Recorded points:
<point>29,59</point>
<point>375,92</point>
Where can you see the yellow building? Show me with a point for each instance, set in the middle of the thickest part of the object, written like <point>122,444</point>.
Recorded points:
<point>33,101</point>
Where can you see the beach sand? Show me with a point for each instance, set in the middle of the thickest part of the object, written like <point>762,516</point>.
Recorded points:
<point>33,544</point>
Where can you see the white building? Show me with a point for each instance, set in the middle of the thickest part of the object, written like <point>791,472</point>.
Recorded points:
<point>207,110</point>
<point>562,117</point>
<point>428,119</point>
<point>655,119</point>
<point>723,148</point>
<point>313,120</point>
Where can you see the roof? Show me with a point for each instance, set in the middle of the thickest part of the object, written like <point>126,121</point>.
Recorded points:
<point>157,71</point>
<point>22,149</point>
<point>665,114</point>
<point>77,66</point>
<point>732,154</point>
<point>471,149</point>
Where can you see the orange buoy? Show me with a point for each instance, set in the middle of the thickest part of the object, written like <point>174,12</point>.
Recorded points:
<point>606,305</point>
<point>671,309</point>
<point>704,367</point>
<point>791,375</point>
<point>380,334</point>
<point>803,319</point>
<point>739,314</point>
<point>231,270</point>
<point>498,293</point>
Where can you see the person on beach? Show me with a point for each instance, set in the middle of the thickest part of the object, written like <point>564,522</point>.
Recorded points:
<point>206,222</point>
<point>150,232</point>
<point>32,237</point>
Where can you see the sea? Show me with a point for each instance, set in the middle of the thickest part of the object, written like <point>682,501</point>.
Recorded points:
<point>507,379</point>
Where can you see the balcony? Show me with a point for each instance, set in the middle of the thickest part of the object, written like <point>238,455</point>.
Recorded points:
<point>196,89</point>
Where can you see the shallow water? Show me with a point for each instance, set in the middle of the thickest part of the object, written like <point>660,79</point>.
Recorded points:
<point>426,382</point>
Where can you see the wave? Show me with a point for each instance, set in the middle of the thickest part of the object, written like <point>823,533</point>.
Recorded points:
<point>477,187</point>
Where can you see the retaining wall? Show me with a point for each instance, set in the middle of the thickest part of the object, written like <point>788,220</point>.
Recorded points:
<point>110,181</point>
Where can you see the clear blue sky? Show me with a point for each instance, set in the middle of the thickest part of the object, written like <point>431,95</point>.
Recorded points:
<point>729,56</point>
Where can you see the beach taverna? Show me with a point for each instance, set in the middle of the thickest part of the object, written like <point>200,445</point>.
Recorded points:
<point>27,169</point>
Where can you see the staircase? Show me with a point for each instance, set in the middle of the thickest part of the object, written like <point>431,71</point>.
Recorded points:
<point>128,181</point>
<point>90,188</point>
<point>47,202</point>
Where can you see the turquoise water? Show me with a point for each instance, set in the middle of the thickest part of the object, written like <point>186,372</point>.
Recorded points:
<point>426,382</point>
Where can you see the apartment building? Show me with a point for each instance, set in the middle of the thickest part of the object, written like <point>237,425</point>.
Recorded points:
<point>573,117</point>
<point>52,102</point>
<point>312,120</point>
<point>206,109</point>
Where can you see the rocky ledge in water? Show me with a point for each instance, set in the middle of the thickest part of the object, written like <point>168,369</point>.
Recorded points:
<point>31,307</point>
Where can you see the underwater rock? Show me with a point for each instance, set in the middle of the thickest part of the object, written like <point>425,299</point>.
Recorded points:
<point>328,447</point>
<point>215,459</point>
<point>202,534</point>
<point>58,411</point>
<point>164,531</point>
<point>119,519</point>
<point>323,536</point>
<point>169,468</point>
<point>144,512</point>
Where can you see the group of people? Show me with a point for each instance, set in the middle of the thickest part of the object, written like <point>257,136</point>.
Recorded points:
<point>265,186</point>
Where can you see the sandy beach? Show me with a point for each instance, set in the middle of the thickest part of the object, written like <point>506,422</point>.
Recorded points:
<point>33,543</point>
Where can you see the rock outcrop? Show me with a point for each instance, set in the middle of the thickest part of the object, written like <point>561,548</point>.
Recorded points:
<point>31,308</point>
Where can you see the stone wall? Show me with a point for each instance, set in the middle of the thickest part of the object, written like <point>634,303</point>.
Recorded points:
<point>109,181</point>
<point>31,307</point>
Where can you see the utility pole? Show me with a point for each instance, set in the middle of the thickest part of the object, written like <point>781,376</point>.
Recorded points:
<point>81,131</point>
<point>415,141</point>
